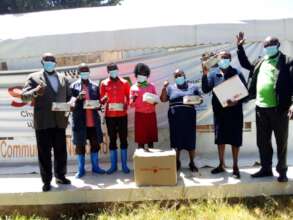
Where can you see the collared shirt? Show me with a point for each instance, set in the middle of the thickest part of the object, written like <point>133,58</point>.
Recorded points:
<point>139,104</point>
<point>118,96</point>
<point>175,93</point>
<point>88,112</point>
<point>54,81</point>
<point>266,80</point>
<point>215,77</point>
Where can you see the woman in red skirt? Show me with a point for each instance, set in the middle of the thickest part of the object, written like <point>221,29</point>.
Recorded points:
<point>143,98</point>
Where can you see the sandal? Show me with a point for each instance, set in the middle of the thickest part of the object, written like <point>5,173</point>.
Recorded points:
<point>192,167</point>
<point>236,174</point>
<point>218,169</point>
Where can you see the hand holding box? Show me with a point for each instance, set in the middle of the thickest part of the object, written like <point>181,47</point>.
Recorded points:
<point>150,98</point>
<point>232,89</point>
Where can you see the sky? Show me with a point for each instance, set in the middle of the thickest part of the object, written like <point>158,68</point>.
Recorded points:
<point>141,13</point>
<point>211,10</point>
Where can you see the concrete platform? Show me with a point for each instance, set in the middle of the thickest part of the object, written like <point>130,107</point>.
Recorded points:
<point>23,190</point>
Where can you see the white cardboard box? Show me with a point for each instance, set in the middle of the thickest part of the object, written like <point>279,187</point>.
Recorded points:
<point>150,98</point>
<point>192,100</point>
<point>60,107</point>
<point>91,104</point>
<point>232,89</point>
<point>155,168</point>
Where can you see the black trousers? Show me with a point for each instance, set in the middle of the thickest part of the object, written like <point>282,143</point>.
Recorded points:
<point>48,139</point>
<point>117,125</point>
<point>269,120</point>
<point>91,135</point>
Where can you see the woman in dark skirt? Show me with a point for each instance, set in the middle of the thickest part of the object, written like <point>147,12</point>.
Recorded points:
<point>182,117</point>
<point>228,122</point>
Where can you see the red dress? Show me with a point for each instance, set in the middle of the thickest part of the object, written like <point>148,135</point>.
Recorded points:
<point>145,125</point>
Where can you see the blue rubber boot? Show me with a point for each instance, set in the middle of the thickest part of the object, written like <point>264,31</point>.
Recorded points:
<point>80,161</point>
<point>113,157</point>
<point>125,169</point>
<point>95,164</point>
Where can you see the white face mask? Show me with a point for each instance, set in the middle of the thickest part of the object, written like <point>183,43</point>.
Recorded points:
<point>141,78</point>
<point>114,74</point>
<point>84,75</point>
<point>49,66</point>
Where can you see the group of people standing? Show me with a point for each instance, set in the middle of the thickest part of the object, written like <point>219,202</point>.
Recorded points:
<point>270,82</point>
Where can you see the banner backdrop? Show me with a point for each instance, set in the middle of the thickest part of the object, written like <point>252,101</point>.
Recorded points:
<point>17,139</point>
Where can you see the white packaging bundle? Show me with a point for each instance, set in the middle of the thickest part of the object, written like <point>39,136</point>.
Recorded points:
<point>150,98</point>
<point>91,104</point>
<point>116,106</point>
<point>60,107</point>
<point>192,100</point>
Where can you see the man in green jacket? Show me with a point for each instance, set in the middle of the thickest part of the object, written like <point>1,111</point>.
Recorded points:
<point>271,84</point>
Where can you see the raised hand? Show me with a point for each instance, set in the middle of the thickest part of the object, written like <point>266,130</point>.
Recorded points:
<point>81,95</point>
<point>166,83</point>
<point>205,70</point>
<point>40,89</point>
<point>104,99</point>
<point>240,39</point>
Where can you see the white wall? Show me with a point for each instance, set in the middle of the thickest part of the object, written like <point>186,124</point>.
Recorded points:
<point>29,50</point>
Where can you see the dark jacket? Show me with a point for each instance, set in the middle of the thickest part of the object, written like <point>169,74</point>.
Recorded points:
<point>284,83</point>
<point>79,114</point>
<point>44,117</point>
<point>213,79</point>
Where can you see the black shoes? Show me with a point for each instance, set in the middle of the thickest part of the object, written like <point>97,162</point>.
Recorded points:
<point>63,180</point>
<point>262,173</point>
<point>283,178</point>
<point>46,187</point>
<point>192,167</point>
<point>221,169</point>
<point>236,174</point>
<point>218,169</point>
<point>268,173</point>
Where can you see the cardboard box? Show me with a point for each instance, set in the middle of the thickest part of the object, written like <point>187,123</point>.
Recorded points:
<point>155,168</point>
<point>60,107</point>
<point>232,89</point>
<point>91,104</point>
<point>150,98</point>
<point>192,100</point>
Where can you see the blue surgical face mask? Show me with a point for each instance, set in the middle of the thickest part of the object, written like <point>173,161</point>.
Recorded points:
<point>141,78</point>
<point>84,75</point>
<point>224,63</point>
<point>180,80</point>
<point>271,50</point>
<point>49,66</point>
<point>113,74</point>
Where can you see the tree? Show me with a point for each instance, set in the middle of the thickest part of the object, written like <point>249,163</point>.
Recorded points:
<point>21,6</point>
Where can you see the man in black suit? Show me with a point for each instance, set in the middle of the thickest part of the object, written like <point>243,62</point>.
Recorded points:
<point>44,88</point>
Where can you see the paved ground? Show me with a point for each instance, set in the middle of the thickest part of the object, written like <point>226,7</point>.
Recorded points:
<point>26,189</point>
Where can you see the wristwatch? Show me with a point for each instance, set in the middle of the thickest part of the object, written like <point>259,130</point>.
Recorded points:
<point>35,95</point>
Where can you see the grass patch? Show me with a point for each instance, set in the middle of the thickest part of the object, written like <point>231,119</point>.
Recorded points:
<point>278,208</point>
